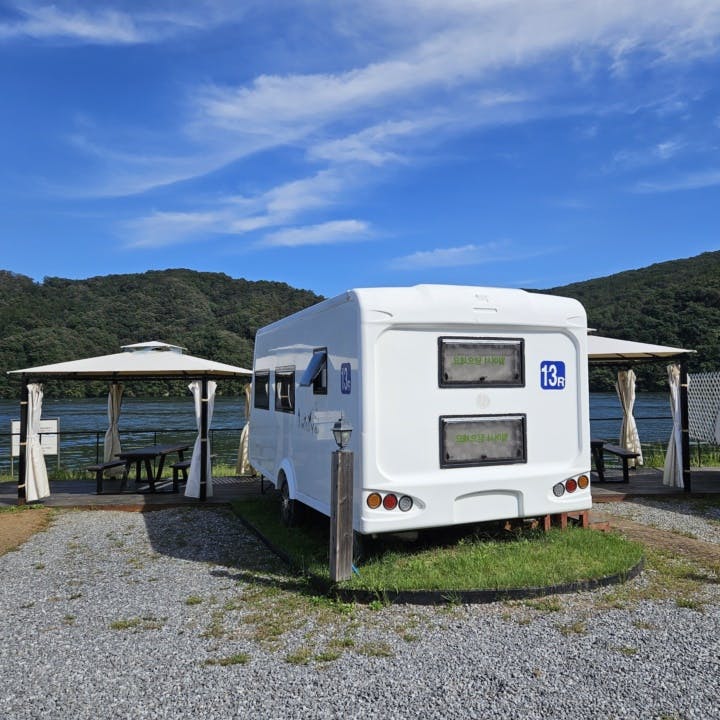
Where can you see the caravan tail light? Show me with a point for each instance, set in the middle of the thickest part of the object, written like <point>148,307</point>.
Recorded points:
<point>374,501</point>
<point>571,485</point>
<point>583,481</point>
<point>405,503</point>
<point>558,490</point>
<point>390,501</point>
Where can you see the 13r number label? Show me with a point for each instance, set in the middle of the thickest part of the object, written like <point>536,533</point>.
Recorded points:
<point>552,375</point>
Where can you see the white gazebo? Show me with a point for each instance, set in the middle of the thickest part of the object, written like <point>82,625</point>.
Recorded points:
<point>141,361</point>
<point>626,353</point>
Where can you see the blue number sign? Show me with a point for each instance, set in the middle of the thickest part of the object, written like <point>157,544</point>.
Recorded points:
<point>345,379</point>
<point>552,375</point>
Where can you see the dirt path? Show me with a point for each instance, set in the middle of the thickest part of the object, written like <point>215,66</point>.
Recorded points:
<point>664,540</point>
<point>17,526</point>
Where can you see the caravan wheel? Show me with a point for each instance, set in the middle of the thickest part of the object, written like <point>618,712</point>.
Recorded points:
<point>288,506</point>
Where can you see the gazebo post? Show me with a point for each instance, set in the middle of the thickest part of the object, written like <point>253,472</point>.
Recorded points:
<point>203,438</point>
<point>22,456</point>
<point>685,427</point>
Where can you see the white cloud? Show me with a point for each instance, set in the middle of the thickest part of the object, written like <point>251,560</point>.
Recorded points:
<point>156,21</point>
<point>690,181</point>
<point>465,255</point>
<point>102,26</point>
<point>655,154</point>
<point>328,233</point>
<point>431,72</point>
<point>487,37</point>
<point>239,215</point>
<point>163,229</point>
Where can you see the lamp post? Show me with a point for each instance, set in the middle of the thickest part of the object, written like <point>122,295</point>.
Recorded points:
<point>341,504</point>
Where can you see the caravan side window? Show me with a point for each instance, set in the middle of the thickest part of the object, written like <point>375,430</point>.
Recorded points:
<point>316,372</point>
<point>261,386</point>
<point>285,389</point>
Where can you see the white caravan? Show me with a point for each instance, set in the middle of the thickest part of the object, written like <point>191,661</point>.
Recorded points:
<point>467,404</point>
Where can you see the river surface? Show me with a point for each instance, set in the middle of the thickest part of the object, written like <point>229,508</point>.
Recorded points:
<point>82,424</point>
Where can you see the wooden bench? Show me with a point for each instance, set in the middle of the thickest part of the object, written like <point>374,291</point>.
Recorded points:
<point>624,455</point>
<point>101,468</point>
<point>179,467</point>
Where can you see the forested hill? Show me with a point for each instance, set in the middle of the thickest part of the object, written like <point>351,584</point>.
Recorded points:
<point>674,303</point>
<point>210,314</point>
<point>215,316</point>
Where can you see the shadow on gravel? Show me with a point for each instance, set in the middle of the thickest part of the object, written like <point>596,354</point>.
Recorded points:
<point>215,536</point>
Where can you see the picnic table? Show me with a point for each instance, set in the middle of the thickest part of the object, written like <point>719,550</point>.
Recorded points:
<point>598,448</point>
<point>146,456</point>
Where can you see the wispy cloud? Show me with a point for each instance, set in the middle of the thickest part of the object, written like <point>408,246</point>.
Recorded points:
<point>239,215</point>
<point>328,233</point>
<point>690,181</point>
<point>465,255</point>
<point>111,25</point>
<point>661,152</point>
<point>431,73</point>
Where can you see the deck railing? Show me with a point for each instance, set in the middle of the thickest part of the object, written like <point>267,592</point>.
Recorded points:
<point>78,448</point>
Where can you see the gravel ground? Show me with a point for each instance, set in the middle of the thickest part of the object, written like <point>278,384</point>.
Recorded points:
<point>183,614</point>
<point>697,519</point>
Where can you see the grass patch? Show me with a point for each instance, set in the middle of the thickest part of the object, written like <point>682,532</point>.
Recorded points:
<point>454,559</point>
<point>236,659</point>
<point>136,623</point>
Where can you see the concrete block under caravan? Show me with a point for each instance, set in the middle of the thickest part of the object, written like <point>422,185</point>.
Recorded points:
<point>468,404</point>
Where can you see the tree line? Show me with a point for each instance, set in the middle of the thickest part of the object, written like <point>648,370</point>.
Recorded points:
<point>211,314</point>
<point>215,316</point>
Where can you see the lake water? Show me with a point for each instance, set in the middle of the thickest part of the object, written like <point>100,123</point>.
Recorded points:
<point>83,424</point>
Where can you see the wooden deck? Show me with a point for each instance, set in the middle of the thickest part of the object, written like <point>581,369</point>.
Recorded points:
<point>645,482</point>
<point>81,494</point>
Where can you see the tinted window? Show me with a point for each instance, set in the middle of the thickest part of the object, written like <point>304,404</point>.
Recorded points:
<point>285,390</point>
<point>261,390</point>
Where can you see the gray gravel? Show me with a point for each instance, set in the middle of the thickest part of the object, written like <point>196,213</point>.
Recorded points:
<point>695,518</point>
<point>123,615</point>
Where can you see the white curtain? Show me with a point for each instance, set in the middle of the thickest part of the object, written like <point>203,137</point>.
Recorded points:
<point>243,463</point>
<point>629,438</point>
<point>112,436</point>
<point>36,479</point>
<point>192,488</point>
<point>672,474</point>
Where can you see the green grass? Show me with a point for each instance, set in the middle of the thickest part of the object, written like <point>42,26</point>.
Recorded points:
<point>236,659</point>
<point>453,560</point>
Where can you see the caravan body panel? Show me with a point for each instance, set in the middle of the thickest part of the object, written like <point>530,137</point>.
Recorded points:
<point>473,402</point>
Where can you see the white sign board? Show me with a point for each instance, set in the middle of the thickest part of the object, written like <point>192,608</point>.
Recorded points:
<point>49,436</point>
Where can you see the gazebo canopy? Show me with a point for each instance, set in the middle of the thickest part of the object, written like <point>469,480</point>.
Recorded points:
<point>142,361</point>
<point>614,351</point>
<point>625,353</point>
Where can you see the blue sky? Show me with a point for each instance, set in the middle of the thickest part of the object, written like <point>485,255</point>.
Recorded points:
<point>329,145</point>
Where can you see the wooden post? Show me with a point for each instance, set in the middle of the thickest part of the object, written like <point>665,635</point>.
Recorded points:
<point>22,457</point>
<point>685,427</point>
<point>203,438</point>
<point>341,516</point>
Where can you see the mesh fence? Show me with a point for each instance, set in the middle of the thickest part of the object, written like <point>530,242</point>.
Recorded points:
<point>704,406</point>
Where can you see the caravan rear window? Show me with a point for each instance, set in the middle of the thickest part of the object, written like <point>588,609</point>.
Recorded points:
<point>480,362</point>
<point>475,440</point>
<point>285,389</point>
<point>261,390</point>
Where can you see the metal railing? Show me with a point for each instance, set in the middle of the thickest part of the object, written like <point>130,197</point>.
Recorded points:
<point>78,448</point>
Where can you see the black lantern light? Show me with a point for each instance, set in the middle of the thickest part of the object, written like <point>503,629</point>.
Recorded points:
<point>342,430</point>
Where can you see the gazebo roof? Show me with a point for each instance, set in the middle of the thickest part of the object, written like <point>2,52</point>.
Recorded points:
<point>141,360</point>
<point>612,350</point>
